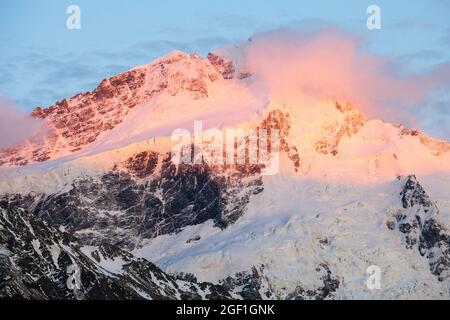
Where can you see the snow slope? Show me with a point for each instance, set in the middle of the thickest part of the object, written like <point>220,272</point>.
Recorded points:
<point>332,209</point>
<point>298,223</point>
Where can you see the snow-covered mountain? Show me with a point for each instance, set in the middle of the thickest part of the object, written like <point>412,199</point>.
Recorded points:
<point>100,191</point>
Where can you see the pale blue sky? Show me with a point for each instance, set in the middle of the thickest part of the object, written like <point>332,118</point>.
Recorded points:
<point>41,61</point>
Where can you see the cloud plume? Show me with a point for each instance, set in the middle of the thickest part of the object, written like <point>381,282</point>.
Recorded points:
<point>17,126</point>
<point>330,64</point>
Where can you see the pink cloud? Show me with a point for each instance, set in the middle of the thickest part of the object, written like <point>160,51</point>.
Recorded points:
<point>329,64</point>
<point>17,126</point>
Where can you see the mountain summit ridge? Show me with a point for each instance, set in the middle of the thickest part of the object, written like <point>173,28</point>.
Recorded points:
<point>76,123</point>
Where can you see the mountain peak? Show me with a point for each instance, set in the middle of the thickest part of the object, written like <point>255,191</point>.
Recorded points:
<point>76,122</point>
<point>328,137</point>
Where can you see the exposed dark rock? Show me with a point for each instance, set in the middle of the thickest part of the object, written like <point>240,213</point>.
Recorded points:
<point>223,66</point>
<point>413,194</point>
<point>248,283</point>
<point>136,202</point>
<point>196,238</point>
<point>280,121</point>
<point>418,223</point>
<point>36,261</point>
<point>142,164</point>
<point>326,291</point>
<point>353,120</point>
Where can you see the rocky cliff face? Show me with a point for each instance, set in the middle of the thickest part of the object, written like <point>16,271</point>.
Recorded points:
<point>38,261</point>
<point>76,122</point>
<point>41,251</point>
<point>418,223</point>
<point>352,121</point>
<point>120,209</point>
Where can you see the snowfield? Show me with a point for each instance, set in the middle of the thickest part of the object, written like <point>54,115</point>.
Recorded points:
<point>328,214</point>
<point>293,228</point>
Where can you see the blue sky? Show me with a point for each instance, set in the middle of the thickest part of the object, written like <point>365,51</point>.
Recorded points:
<point>41,61</point>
